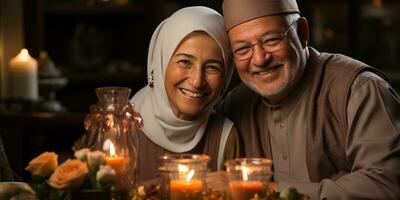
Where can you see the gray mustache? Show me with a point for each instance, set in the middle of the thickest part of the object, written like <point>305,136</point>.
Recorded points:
<point>257,69</point>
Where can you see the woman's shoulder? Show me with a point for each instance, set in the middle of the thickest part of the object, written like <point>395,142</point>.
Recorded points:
<point>233,146</point>
<point>223,128</point>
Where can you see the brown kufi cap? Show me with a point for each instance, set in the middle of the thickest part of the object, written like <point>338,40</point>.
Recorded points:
<point>238,11</point>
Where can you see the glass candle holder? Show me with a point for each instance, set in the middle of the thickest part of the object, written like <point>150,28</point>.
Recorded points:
<point>183,176</point>
<point>248,178</point>
<point>111,127</point>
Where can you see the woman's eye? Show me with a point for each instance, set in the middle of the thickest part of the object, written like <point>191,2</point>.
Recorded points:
<point>213,69</point>
<point>185,62</point>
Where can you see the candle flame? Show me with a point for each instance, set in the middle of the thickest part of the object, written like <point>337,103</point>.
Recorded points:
<point>112,149</point>
<point>245,172</point>
<point>109,146</point>
<point>190,176</point>
<point>24,55</point>
<point>184,171</point>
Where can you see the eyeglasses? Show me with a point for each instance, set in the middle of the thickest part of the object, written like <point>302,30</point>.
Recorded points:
<point>269,43</point>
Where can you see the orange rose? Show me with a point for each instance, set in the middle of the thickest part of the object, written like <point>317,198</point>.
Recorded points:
<point>43,165</point>
<point>69,175</point>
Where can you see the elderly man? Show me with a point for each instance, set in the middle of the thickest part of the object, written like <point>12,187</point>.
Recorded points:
<point>326,120</point>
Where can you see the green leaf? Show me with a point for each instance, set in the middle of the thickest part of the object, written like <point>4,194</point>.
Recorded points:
<point>289,193</point>
<point>92,177</point>
<point>106,186</point>
<point>60,195</point>
<point>42,189</point>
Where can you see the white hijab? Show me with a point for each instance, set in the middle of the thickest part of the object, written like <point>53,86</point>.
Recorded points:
<point>161,125</point>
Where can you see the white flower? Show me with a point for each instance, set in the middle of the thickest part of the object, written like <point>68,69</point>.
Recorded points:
<point>105,175</point>
<point>95,158</point>
<point>81,154</point>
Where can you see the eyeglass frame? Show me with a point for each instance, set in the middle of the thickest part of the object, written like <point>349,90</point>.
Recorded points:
<point>261,45</point>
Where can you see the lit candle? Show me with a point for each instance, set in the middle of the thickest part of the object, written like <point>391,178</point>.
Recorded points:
<point>115,161</point>
<point>187,188</point>
<point>245,189</point>
<point>23,77</point>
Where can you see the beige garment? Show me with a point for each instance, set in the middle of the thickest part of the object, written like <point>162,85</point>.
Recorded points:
<point>370,144</point>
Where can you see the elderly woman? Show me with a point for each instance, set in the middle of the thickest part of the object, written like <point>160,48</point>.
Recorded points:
<point>189,68</point>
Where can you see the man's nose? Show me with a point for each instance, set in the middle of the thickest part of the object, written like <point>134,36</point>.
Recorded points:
<point>260,56</point>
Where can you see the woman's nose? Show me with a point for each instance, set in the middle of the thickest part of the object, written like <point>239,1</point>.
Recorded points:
<point>197,77</point>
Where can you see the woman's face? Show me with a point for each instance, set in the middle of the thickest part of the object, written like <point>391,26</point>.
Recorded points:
<point>195,75</point>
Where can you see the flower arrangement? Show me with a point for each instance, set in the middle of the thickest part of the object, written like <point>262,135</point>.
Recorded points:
<point>88,170</point>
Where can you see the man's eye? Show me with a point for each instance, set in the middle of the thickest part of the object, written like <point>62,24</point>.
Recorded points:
<point>242,50</point>
<point>271,41</point>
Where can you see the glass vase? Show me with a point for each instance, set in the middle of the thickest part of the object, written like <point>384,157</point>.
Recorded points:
<point>111,127</point>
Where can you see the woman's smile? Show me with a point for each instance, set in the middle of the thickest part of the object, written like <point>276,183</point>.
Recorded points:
<point>192,94</point>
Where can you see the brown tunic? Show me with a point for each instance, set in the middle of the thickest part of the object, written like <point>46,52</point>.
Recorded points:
<point>149,152</point>
<point>337,165</point>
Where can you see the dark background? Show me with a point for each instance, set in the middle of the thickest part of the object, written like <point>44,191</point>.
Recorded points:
<point>101,42</point>
<point>104,43</point>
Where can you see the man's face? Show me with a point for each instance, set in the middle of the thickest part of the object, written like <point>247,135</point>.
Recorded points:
<point>271,74</point>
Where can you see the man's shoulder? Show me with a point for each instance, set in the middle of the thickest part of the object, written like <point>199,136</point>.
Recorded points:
<point>336,60</point>
<point>345,66</point>
<point>343,63</point>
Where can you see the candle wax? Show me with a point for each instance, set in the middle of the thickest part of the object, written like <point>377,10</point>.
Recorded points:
<point>244,190</point>
<point>183,190</point>
<point>116,162</point>
<point>23,77</point>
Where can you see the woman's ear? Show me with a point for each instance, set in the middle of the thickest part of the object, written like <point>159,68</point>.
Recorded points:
<point>302,31</point>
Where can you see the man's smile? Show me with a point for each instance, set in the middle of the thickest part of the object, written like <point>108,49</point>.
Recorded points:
<point>267,71</point>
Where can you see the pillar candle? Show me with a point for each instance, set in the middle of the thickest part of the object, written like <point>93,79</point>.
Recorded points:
<point>23,77</point>
<point>186,190</point>
<point>240,190</point>
<point>115,161</point>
